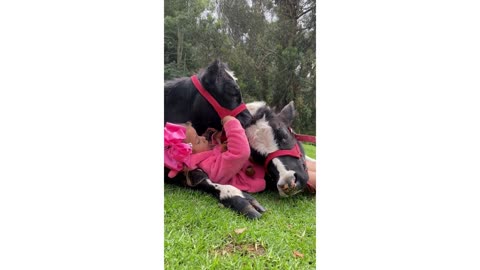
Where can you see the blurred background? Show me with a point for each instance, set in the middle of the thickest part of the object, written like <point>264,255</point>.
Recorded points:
<point>269,44</point>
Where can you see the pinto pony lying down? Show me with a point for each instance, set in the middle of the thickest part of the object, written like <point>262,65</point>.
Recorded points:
<point>274,145</point>
<point>210,95</point>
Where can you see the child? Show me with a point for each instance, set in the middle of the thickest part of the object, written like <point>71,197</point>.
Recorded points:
<point>223,166</point>
<point>312,177</point>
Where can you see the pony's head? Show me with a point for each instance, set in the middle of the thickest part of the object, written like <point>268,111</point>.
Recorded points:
<point>274,145</point>
<point>220,82</point>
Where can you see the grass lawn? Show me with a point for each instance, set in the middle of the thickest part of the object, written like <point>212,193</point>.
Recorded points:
<point>310,150</point>
<point>201,234</point>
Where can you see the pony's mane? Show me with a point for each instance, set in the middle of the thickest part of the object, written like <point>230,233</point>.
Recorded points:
<point>182,82</point>
<point>253,107</point>
<point>262,112</point>
<point>225,72</point>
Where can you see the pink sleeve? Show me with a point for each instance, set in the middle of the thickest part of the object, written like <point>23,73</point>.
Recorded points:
<point>238,152</point>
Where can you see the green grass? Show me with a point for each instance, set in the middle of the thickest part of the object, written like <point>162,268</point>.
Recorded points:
<point>200,233</point>
<point>310,150</point>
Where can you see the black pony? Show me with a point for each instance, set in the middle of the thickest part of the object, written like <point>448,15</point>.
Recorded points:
<point>274,145</point>
<point>183,102</point>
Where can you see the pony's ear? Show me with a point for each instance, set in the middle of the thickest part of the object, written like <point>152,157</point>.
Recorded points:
<point>212,72</point>
<point>288,113</point>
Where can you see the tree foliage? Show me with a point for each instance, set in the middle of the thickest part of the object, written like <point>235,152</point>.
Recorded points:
<point>270,44</point>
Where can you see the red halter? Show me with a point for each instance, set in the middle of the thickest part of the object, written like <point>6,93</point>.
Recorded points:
<point>294,152</point>
<point>303,138</point>
<point>222,112</point>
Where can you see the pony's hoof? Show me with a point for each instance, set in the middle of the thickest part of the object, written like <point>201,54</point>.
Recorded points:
<point>253,202</point>
<point>245,205</point>
<point>251,213</point>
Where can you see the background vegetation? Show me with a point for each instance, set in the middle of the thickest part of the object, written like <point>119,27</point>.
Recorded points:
<point>269,44</point>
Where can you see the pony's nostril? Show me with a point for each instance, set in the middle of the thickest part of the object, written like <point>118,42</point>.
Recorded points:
<point>300,181</point>
<point>295,180</point>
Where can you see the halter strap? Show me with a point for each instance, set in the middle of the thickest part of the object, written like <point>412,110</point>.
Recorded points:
<point>294,152</point>
<point>303,137</point>
<point>221,111</point>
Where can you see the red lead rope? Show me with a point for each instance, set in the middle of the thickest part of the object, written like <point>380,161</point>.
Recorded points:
<point>222,112</point>
<point>303,138</point>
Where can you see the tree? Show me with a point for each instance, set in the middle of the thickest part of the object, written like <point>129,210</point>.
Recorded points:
<point>270,44</point>
<point>181,24</point>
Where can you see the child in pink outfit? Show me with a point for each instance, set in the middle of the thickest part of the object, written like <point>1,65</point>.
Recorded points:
<point>226,166</point>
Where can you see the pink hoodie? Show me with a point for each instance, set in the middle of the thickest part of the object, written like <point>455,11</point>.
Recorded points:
<point>229,167</point>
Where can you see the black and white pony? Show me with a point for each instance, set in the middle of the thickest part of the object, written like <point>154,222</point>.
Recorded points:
<point>273,145</point>
<point>214,93</point>
<point>190,99</point>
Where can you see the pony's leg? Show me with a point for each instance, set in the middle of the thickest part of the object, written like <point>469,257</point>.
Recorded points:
<point>228,195</point>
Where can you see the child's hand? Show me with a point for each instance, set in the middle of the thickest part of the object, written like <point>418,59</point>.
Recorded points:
<point>226,119</point>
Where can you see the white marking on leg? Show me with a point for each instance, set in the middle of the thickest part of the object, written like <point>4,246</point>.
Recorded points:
<point>226,191</point>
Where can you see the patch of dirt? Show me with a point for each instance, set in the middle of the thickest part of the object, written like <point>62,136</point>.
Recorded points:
<point>249,249</point>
